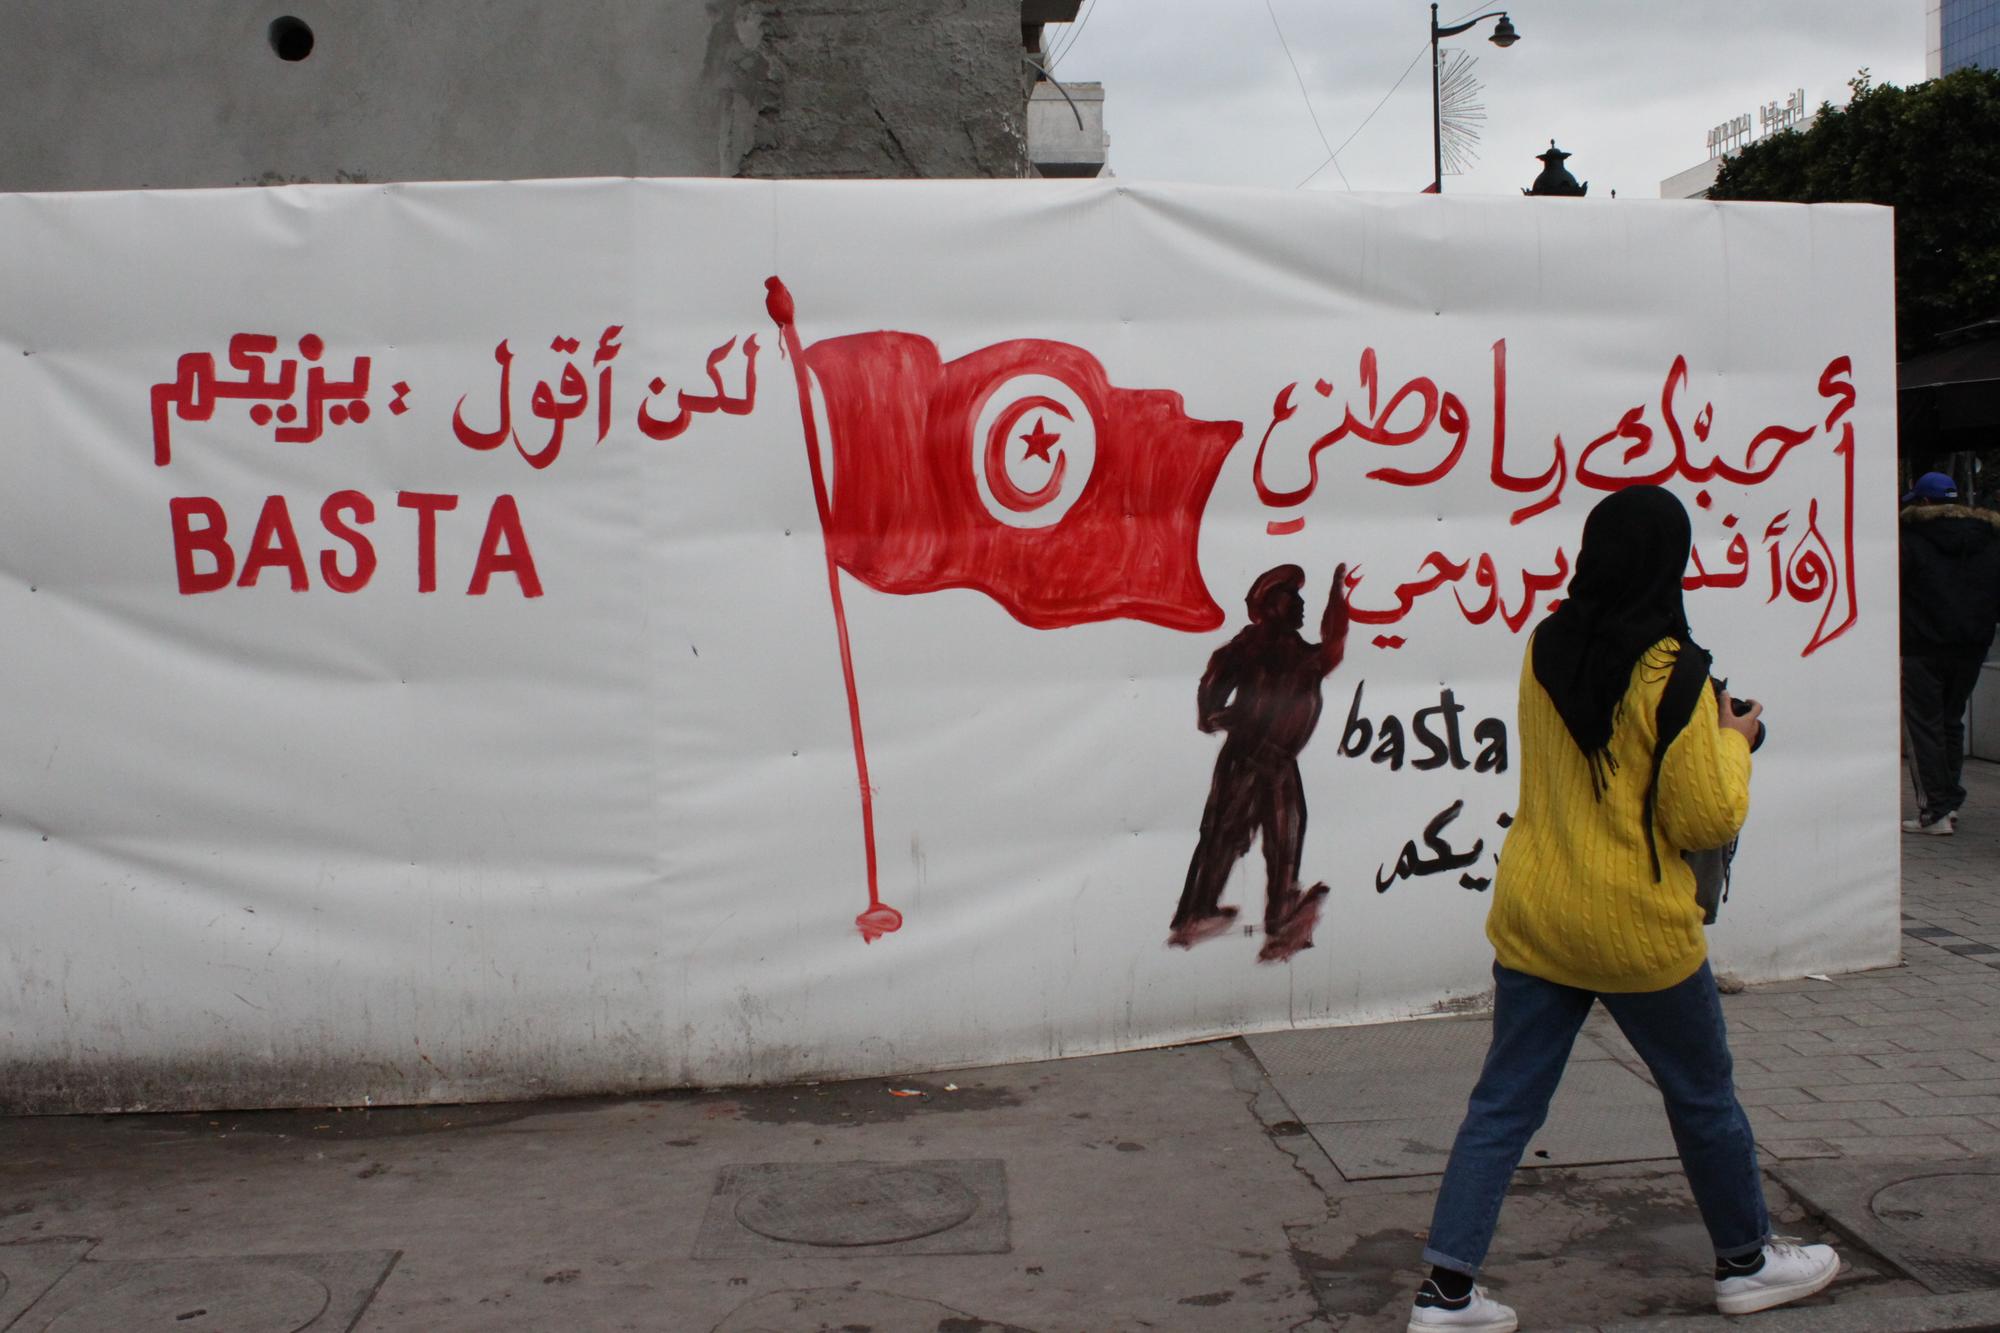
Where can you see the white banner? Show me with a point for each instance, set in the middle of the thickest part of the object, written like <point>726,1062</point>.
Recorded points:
<point>445,660</point>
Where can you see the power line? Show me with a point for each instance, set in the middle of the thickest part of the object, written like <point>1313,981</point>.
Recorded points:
<point>1069,38</point>
<point>1332,155</point>
<point>1074,33</point>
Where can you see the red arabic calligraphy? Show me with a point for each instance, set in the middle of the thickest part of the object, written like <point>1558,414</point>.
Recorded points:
<point>1485,573</point>
<point>691,404</point>
<point>1377,425</point>
<point>197,388</point>
<point>1651,443</point>
<point>568,397</point>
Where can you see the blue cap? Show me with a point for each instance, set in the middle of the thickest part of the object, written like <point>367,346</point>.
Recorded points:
<point>1932,486</point>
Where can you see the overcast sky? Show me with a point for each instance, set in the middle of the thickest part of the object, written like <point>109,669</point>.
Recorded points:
<point>1200,90</point>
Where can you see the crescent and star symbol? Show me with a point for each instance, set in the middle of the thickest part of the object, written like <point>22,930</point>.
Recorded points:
<point>1040,440</point>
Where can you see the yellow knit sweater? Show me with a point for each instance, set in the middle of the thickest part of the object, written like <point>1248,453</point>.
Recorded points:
<point>1574,900</point>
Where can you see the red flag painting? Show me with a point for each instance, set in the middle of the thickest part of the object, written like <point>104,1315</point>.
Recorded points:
<point>1018,470</point>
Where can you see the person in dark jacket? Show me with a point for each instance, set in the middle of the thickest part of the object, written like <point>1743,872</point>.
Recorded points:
<point>1951,598</point>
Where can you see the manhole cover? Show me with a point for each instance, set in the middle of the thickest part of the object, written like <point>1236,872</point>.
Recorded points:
<point>863,1205</point>
<point>237,1298</point>
<point>1934,1220</point>
<point>1951,1211</point>
<point>862,1209</point>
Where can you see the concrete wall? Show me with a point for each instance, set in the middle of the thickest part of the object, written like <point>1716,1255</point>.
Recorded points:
<point>1066,130</point>
<point>112,94</point>
<point>875,88</point>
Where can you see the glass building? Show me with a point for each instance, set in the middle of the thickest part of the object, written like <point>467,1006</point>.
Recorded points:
<point>1962,33</point>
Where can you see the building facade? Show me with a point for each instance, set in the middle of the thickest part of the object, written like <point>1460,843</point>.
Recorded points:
<point>110,94</point>
<point>1962,33</point>
<point>1733,135</point>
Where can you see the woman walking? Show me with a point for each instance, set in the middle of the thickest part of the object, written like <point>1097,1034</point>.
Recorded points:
<point>1628,758</point>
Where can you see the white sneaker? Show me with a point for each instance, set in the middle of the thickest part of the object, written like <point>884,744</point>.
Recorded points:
<point>1789,1272</point>
<point>1477,1313</point>
<point>1941,827</point>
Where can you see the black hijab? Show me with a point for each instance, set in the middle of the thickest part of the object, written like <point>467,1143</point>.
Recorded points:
<point>1624,598</point>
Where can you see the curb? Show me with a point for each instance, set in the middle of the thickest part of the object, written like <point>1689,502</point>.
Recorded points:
<point>1969,1312</point>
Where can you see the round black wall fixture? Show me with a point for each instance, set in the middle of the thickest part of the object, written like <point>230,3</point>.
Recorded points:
<point>291,38</point>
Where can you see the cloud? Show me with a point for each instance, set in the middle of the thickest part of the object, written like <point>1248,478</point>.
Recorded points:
<point>1203,92</point>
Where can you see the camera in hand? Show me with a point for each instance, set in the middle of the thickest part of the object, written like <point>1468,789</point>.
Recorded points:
<point>1740,707</point>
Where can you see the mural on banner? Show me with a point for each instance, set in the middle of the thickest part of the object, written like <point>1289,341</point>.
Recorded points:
<point>1649,445</point>
<point>498,639</point>
<point>205,559</point>
<point>1020,471</point>
<point>1655,444</point>
<point>1262,690</point>
<point>1095,517</point>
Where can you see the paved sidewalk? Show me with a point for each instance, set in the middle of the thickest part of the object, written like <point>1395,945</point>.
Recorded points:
<point>1901,1062</point>
<point>1866,1090</point>
<point>1280,1182</point>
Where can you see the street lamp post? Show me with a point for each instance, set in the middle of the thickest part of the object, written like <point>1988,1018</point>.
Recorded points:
<point>1503,37</point>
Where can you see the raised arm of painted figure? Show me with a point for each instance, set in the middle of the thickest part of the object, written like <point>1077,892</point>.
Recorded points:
<point>1333,623</point>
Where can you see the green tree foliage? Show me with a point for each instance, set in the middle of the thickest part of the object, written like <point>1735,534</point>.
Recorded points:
<point>1932,151</point>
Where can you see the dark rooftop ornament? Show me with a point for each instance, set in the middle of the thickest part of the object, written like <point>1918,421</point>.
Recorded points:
<point>1555,180</point>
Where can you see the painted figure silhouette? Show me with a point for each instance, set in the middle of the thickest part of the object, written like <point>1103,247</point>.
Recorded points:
<point>1262,689</point>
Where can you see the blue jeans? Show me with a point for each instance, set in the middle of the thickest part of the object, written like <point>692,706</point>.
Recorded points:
<point>1678,1032</point>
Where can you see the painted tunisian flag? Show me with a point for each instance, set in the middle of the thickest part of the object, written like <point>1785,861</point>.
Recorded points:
<point>1018,470</point>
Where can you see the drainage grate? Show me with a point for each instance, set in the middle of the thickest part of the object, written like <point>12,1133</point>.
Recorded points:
<point>1949,1276</point>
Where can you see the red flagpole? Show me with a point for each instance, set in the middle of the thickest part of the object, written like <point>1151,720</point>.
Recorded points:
<point>880,918</point>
